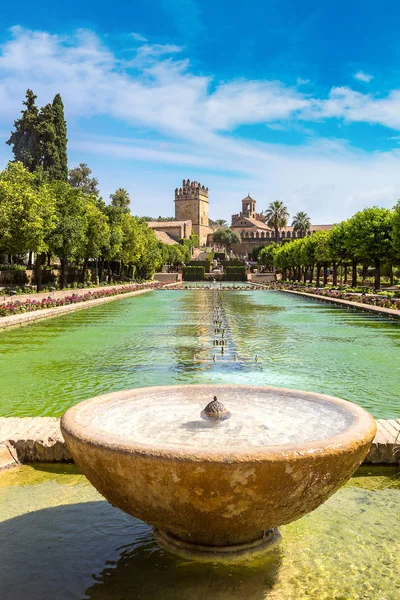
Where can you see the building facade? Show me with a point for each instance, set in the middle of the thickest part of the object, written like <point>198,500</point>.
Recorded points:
<point>175,230</point>
<point>191,204</point>
<point>253,230</point>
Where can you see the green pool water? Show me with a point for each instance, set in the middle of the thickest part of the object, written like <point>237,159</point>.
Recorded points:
<point>152,340</point>
<point>59,540</point>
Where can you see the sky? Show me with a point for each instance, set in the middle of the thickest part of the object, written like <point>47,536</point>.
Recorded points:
<point>297,101</point>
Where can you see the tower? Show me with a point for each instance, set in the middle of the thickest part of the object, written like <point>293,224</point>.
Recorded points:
<point>191,204</point>
<point>249,207</point>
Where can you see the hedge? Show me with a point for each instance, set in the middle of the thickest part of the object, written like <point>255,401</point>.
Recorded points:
<point>235,274</point>
<point>192,273</point>
<point>220,255</point>
<point>201,263</point>
<point>231,263</point>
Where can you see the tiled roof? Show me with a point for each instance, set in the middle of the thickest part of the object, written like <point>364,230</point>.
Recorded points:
<point>165,238</point>
<point>250,222</point>
<point>312,228</point>
<point>165,224</point>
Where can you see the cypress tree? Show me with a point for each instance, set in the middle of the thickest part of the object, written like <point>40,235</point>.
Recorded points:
<point>25,139</point>
<point>60,127</point>
<point>48,146</point>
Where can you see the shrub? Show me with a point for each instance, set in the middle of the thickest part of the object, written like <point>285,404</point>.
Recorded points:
<point>235,274</point>
<point>193,273</point>
<point>201,263</point>
<point>219,255</point>
<point>12,267</point>
<point>232,263</point>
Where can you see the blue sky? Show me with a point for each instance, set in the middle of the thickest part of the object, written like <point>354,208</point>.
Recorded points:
<point>296,100</point>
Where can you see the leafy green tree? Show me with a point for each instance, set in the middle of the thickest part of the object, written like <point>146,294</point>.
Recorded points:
<point>67,239</point>
<point>396,228</point>
<point>80,178</point>
<point>226,237</point>
<point>27,214</point>
<point>255,252</point>
<point>282,259</point>
<point>370,237</point>
<point>323,254</point>
<point>60,127</point>
<point>301,223</point>
<point>276,217</point>
<point>338,246</point>
<point>96,236</point>
<point>121,199</point>
<point>25,139</point>
<point>267,256</point>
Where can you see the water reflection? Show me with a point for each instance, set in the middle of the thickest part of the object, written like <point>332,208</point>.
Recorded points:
<point>91,546</point>
<point>145,573</point>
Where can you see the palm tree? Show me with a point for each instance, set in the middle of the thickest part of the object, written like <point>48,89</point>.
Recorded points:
<point>221,223</point>
<point>120,199</point>
<point>276,216</point>
<point>301,223</point>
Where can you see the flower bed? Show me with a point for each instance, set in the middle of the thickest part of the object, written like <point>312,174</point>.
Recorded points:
<point>16,307</point>
<point>370,299</point>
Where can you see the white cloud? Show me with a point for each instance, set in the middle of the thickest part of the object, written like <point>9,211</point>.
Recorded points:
<point>138,37</point>
<point>194,117</point>
<point>361,76</point>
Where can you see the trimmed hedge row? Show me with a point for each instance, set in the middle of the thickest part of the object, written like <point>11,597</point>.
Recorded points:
<point>201,263</point>
<point>193,273</point>
<point>235,274</point>
<point>231,263</point>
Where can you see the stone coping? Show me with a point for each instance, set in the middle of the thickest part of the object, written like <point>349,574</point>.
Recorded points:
<point>389,312</point>
<point>5,299</point>
<point>39,439</point>
<point>46,313</point>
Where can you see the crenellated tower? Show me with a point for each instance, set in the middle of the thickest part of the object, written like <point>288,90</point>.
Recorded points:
<point>191,203</point>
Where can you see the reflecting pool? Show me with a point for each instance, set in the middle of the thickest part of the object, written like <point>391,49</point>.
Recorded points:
<point>60,539</point>
<point>167,337</point>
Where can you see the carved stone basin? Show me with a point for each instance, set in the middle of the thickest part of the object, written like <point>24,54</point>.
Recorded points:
<point>211,487</point>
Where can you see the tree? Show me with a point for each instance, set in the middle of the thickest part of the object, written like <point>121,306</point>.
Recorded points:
<point>49,159</point>
<point>60,127</point>
<point>79,177</point>
<point>338,246</point>
<point>267,256</point>
<point>370,237</point>
<point>226,237</point>
<point>255,252</point>
<point>96,236</point>
<point>221,223</point>
<point>301,223</point>
<point>25,139</point>
<point>120,199</point>
<point>27,214</point>
<point>66,241</point>
<point>276,217</point>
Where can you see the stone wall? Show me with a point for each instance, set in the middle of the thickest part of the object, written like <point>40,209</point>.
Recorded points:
<point>191,203</point>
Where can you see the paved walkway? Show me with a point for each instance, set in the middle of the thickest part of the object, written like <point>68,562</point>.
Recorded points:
<point>58,293</point>
<point>389,312</point>
<point>27,439</point>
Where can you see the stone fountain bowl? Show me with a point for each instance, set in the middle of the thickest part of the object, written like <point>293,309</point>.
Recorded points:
<point>217,488</point>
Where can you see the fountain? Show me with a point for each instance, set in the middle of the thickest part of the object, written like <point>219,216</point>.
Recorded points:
<point>216,469</point>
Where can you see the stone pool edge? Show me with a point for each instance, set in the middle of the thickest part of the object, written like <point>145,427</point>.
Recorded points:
<point>389,312</point>
<point>39,439</point>
<point>47,313</point>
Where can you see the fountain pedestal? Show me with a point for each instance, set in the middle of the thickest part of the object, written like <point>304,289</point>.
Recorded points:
<point>216,482</point>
